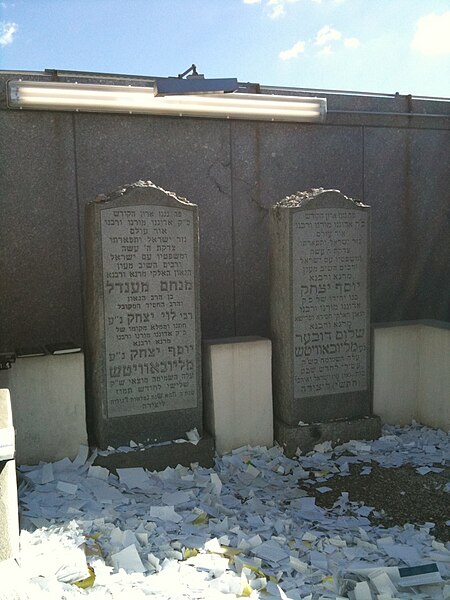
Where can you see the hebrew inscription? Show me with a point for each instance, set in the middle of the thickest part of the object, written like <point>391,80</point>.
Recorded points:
<point>149,308</point>
<point>329,255</point>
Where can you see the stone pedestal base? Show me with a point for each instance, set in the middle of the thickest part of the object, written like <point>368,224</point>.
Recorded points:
<point>157,458</point>
<point>307,436</point>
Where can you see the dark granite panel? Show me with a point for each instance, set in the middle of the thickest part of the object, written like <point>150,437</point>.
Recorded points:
<point>188,156</point>
<point>429,281</point>
<point>271,161</point>
<point>385,178</point>
<point>407,183</point>
<point>39,258</point>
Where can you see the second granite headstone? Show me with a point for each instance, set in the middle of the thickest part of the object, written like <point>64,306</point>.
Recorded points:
<point>143,317</point>
<point>320,316</point>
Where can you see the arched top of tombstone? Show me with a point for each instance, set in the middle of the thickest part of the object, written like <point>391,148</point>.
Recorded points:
<point>319,198</point>
<point>141,192</point>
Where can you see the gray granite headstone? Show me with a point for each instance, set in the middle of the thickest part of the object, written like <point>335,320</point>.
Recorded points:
<point>320,313</point>
<point>143,322</point>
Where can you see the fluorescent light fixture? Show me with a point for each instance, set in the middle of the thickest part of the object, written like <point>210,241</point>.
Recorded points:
<point>194,85</point>
<point>42,95</point>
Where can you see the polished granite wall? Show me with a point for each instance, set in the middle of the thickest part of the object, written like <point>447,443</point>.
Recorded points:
<point>52,164</point>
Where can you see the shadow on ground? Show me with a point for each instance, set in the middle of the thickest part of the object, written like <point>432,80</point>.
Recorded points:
<point>401,495</point>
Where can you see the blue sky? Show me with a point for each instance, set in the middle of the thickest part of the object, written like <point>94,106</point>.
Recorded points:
<point>383,46</point>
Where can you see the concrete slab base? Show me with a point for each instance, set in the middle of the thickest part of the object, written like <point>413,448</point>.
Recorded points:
<point>307,436</point>
<point>157,458</point>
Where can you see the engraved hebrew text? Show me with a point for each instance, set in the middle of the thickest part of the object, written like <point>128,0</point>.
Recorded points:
<point>149,308</point>
<point>329,254</point>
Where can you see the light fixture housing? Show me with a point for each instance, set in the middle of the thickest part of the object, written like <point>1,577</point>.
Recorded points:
<point>86,97</point>
<point>194,85</point>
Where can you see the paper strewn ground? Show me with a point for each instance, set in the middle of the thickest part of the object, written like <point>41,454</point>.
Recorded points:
<point>245,528</point>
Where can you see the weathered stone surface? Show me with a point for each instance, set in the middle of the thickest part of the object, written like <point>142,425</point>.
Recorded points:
<point>157,458</point>
<point>307,436</point>
<point>143,323</point>
<point>320,315</point>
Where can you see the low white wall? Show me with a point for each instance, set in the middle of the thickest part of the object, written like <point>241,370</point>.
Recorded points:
<point>433,407</point>
<point>395,374</point>
<point>412,374</point>
<point>411,381</point>
<point>237,392</point>
<point>48,406</point>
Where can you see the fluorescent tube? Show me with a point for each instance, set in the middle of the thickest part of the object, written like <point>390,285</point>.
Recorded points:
<point>38,95</point>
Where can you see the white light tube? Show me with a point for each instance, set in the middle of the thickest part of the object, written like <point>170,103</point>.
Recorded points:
<point>117,98</point>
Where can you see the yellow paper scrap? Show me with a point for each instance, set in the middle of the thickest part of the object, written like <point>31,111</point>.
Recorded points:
<point>230,552</point>
<point>88,582</point>
<point>246,589</point>
<point>201,519</point>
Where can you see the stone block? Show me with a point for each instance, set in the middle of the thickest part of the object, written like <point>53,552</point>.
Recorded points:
<point>238,392</point>
<point>49,406</point>
<point>320,309</point>
<point>308,435</point>
<point>157,458</point>
<point>143,368</point>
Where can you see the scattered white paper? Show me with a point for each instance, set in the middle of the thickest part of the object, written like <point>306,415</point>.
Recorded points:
<point>81,457</point>
<point>134,477</point>
<point>246,526</point>
<point>47,473</point>
<point>271,551</point>
<point>193,436</point>
<point>67,488</point>
<point>362,591</point>
<point>128,559</point>
<point>98,472</point>
<point>165,513</point>
<point>176,498</point>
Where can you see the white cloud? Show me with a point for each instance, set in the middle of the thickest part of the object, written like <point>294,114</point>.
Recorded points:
<point>432,35</point>
<point>327,34</point>
<point>296,49</point>
<point>326,51</point>
<point>7,31</point>
<point>352,42</point>
<point>277,8</point>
